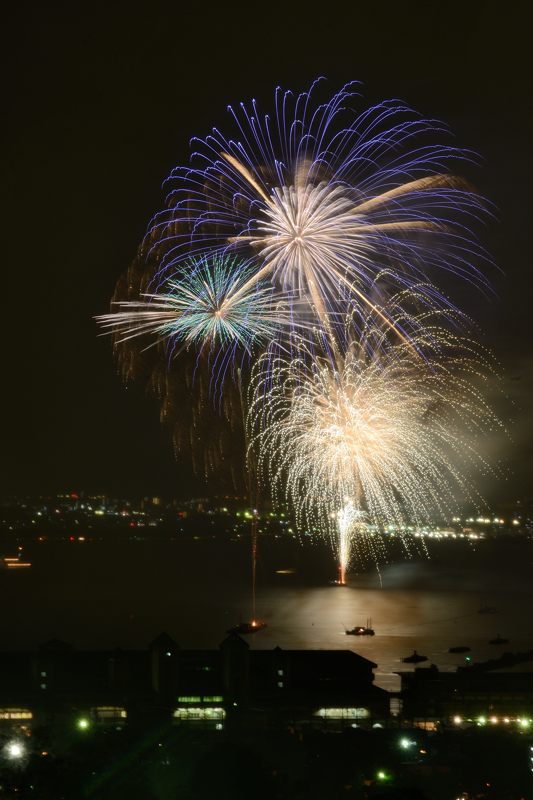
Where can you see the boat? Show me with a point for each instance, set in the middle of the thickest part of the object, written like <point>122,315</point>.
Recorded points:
<point>459,649</point>
<point>362,630</point>
<point>484,609</point>
<point>244,628</point>
<point>415,658</point>
<point>499,640</point>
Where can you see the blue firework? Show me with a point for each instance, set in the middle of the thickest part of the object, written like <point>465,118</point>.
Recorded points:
<point>335,208</point>
<point>212,304</point>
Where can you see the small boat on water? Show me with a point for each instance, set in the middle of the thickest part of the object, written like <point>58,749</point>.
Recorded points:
<point>499,640</point>
<point>485,609</point>
<point>244,628</point>
<point>459,649</point>
<point>362,630</point>
<point>415,658</point>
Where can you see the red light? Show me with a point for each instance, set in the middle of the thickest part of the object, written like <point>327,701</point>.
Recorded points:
<point>72,538</point>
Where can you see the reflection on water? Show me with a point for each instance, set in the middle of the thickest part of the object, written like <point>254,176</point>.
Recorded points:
<point>428,606</point>
<point>95,596</point>
<point>429,621</point>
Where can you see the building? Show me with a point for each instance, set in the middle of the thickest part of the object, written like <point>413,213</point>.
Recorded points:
<point>230,686</point>
<point>499,691</point>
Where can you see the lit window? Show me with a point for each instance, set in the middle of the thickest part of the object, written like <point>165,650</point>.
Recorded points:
<point>425,725</point>
<point>15,713</point>
<point>109,713</point>
<point>193,713</point>
<point>342,713</point>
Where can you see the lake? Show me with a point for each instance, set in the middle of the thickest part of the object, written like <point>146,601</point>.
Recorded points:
<point>99,595</point>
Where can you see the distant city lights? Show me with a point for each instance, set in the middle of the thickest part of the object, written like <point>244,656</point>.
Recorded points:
<point>82,519</point>
<point>521,723</point>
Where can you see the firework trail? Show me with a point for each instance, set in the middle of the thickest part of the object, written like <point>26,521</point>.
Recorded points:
<point>372,438</point>
<point>321,200</point>
<point>350,520</point>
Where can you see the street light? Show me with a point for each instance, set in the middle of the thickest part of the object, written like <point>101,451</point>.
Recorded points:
<point>14,750</point>
<point>406,743</point>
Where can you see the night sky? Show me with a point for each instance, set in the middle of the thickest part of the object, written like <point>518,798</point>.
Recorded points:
<point>101,106</point>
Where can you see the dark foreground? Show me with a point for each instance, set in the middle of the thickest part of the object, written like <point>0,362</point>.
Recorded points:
<point>165,763</point>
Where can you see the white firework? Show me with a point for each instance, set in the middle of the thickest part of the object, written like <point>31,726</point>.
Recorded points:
<point>372,439</point>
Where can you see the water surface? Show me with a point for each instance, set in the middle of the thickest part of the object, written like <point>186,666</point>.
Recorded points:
<point>95,595</point>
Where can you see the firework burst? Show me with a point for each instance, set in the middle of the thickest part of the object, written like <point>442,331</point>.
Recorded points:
<point>212,304</point>
<point>305,241</point>
<point>211,308</point>
<point>364,441</point>
<point>321,200</point>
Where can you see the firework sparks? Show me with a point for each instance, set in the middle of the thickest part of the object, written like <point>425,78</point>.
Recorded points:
<point>349,520</point>
<point>308,239</point>
<point>211,308</point>
<point>205,307</point>
<point>321,200</point>
<point>395,434</point>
